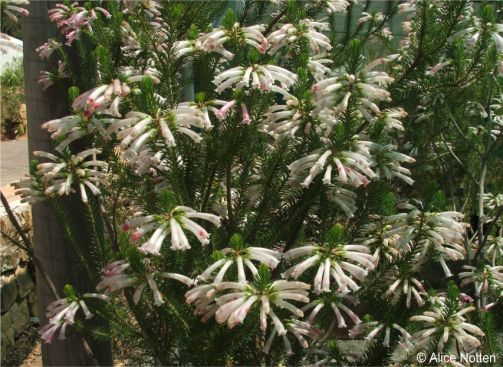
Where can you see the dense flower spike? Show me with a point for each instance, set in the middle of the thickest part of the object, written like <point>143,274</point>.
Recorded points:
<point>171,223</point>
<point>363,89</point>
<point>407,285</point>
<point>15,8</point>
<point>377,327</point>
<point>261,77</point>
<point>441,325</point>
<point>68,173</point>
<point>307,29</point>
<point>333,261</point>
<point>242,258</point>
<point>299,329</point>
<point>354,167</point>
<point>486,280</point>
<point>214,41</point>
<point>336,301</point>
<point>73,19</point>
<point>443,232</point>
<point>62,312</point>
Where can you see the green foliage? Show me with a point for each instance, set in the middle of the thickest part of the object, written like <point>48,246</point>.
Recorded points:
<point>13,112</point>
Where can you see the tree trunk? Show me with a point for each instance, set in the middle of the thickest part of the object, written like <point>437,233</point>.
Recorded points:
<point>50,244</point>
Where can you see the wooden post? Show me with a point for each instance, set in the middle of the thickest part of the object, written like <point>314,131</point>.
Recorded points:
<point>50,244</point>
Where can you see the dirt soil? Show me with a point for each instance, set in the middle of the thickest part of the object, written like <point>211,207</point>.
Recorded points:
<point>27,352</point>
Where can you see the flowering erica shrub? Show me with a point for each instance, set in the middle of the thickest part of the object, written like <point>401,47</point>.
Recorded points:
<point>261,185</point>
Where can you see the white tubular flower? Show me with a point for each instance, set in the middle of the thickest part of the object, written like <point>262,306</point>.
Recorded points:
<point>376,328</point>
<point>375,17</point>
<point>407,285</point>
<point>61,313</point>
<point>493,201</point>
<point>46,78</point>
<point>363,90</point>
<point>408,6</point>
<point>388,163</point>
<point>138,128</point>
<point>442,232</point>
<point>75,127</point>
<point>335,260</point>
<point>261,77</point>
<point>214,41</point>
<point>45,51</point>
<point>29,189</point>
<point>172,222</point>
<point>233,307</point>
<point>334,6</point>
<point>494,249</point>
<point>443,323</point>
<point>306,28</point>
<point>390,118</point>
<point>345,199</point>
<point>486,280</point>
<point>335,301</point>
<point>353,166</point>
<point>472,35</point>
<point>203,297</point>
<point>115,279</point>
<point>13,8</point>
<point>316,65</point>
<point>68,173</point>
<point>242,256</point>
<point>283,120</point>
<point>299,330</point>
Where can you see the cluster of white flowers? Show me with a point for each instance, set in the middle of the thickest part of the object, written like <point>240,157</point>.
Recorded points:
<point>336,262</point>
<point>68,173</point>
<point>487,281</point>
<point>241,257</point>
<point>375,327</point>
<point>171,222</point>
<point>442,233</point>
<point>353,166</point>
<point>73,18</point>
<point>441,325</point>
<point>115,279</point>
<point>61,313</point>
<point>47,78</point>
<point>307,29</point>
<point>407,285</point>
<point>15,7</point>
<point>214,41</point>
<point>363,88</point>
<point>256,76</point>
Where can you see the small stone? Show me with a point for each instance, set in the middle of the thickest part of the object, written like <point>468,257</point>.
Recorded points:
<point>8,290</point>
<point>24,282</point>
<point>21,317</point>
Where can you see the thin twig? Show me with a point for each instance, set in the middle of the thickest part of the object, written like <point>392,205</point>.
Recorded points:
<point>456,158</point>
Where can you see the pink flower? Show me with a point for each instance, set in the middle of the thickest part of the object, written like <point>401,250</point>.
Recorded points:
<point>222,112</point>
<point>246,115</point>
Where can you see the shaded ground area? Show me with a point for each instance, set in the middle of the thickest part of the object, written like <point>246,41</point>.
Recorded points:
<point>27,351</point>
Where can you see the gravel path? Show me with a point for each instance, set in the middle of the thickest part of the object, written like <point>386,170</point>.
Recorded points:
<point>13,160</point>
<point>13,164</point>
